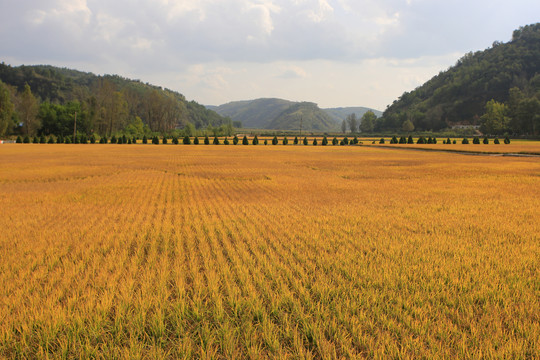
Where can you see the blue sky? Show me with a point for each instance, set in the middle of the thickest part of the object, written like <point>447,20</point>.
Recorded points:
<point>334,53</point>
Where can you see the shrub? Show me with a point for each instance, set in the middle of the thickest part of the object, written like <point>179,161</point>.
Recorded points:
<point>454,142</point>
<point>145,140</point>
<point>155,140</point>
<point>265,142</point>
<point>226,141</point>
<point>335,141</point>
<point>410,140</point>
<point>448,141</point>
<point>354,141</point>
<point>429,140</point>
<point>164,141</point>
<point>315,142</point>
<point>19,140</point>
<point>76,140</point>
<point>402,140</point>
<point>305,141</point>
<point>196,141</point>
<point>381,141</point>
<point>394,140</point>
<point>101,141</point>
<point>255,140</point>
<point>124,139</point>
<point>345,141</point>
<point>421,140</point>
<point>486,140</point>
<point>113,139</point>
<point>51,140</point>
<point>295,142</point>
<point>476,140</point>
<point>507,140</point>
<point>245,140</point>
<point>129,141</point>
<point>67,140</point>
<point>206,140</point>
<point>187,140</point>
<point>92,139</point>
<point>235,140</point>
<point>285,141</point>
<point>496,141</point>
<point>275,140</point>
<point>26,140</point>
<point>175,140</point>
<point>434,140</point>
<point>465,141</point>
<point>324,141</point>
<point>35,140</point>
<point>216,140</point>
<point>42,139</point>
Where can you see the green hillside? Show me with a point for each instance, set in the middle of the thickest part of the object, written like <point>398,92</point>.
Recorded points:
<point>305,116</point>
<point>508,73</point>
<point>104,104</point>
<point>256,114</point>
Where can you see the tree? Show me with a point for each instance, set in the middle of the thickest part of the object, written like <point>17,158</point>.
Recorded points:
<point>235,140</point>
<point>344,126</point>
<point>486,140</point>
<point>255,140</point>
<point>410,140</point>
<point>245,140</point>
<point>6,109</point>
<point>324,141</point>
<point>187,140</point>
<point>206,140</point>
<point>196,141</point>
<point>295,141</point>
<point>335,141</point>
<point>465,141</point>
<point>216,140</point>
<point>367,121</point>
<point>145,140</point>
<point>407,126</point>
<point>226,141</point>
<point>285,140</point>
<point>315,142</point>
<point>175,140</point>
<point>495,120</point>
<point>275,140</point>
<point>305,141</point>
<point>353,123</point>
<point>28,110</point>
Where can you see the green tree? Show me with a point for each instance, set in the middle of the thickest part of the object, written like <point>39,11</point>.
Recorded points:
<point>305,141</point>
<point>285,140</point>
<point>275,140</point>
<point>245,140</point>
<point>335,141</point>
<point>352,122</point>
<point>6,109</point>
<point>235,140</point>
<point>255,140</point>
<point>495,120</point>
<point>216,140</point>
<point>28,110</point>
<point>196,140</point>
<point>344,126</point>
<point>295,141</point>
<point>187,140</point>
<point>407,126</point>
<point>315,142</point>
<point>206,140</point>
<point>324,141</point>
<point>367,121</point>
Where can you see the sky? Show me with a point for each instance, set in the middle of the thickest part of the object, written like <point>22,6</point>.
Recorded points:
<point>335,53</point>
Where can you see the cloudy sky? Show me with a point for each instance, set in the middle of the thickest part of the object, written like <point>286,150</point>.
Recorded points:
<point>332,52</point>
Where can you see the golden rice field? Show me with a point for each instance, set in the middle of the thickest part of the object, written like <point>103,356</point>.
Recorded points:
<point>254,252</point>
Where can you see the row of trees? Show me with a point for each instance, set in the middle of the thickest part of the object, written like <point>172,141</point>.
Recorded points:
<point>365,124</point>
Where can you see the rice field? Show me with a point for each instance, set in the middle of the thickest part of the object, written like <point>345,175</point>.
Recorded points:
<point>255,252</point>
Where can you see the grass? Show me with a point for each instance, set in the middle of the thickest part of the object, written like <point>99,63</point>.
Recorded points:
<point>113,251</point>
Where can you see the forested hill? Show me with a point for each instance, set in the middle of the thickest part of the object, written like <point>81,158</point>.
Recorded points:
<point>508,73</point>
<point>104,104</point>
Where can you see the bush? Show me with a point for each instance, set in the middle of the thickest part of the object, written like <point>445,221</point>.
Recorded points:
<point>285,141</point>
<point>410,140</point>
<point>465,141</point>
<point>265,142</point>
<point>394,140</point>
<point>275,140</point>
<point>496,141</point>
<point>335,141</point>
<point>245,140</point>
<point>476,140</point>
<point>454,142</point>
<point>402,140</point>
<point>216,140</point>
<point>26,140</point>
<point>486,140</point>
<point>124,139</point>
<point>345,141</point>
<point>76,140</point>
<point>19,140</point>
<point>145,140</point>
<point>129,141</point>
<point>255,140</point>
<point>42,139</point>
<point>434,140</point>
<point>421,140</point>
<point>155,140</point>
<point>305,141</point>
<point>175,140</point>
<point>164,140</point>
<point>226,141</point>
<point>448,141</point>
<point>295,142</point>
<point>354,141</point>
<point>235,140</point>
<point>196,141</point>
<point>429,140</point>
<point>324,141</point>
<point>381,141</point>
<point>113,139</point>
<point>35,140</point>
<point>206,140</point>
<point>187,140</point>
<point>92,139</point>
<point>67,140</point>
<point>507,140</point>
<point>315,142</point>
<point>51,140</point>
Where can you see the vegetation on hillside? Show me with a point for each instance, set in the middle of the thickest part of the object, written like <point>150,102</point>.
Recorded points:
<point>44,100</point>
<point>498,88</point>
<point>303,116</point>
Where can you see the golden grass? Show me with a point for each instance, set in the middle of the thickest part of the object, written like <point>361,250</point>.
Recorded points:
<point>119,251</point>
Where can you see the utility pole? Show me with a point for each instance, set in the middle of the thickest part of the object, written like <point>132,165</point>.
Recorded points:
<point>75,127</point>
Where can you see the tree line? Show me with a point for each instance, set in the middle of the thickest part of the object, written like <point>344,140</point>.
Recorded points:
<point>37,100</point>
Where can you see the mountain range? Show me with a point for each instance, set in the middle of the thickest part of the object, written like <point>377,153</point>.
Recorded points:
<point>273,113</point>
